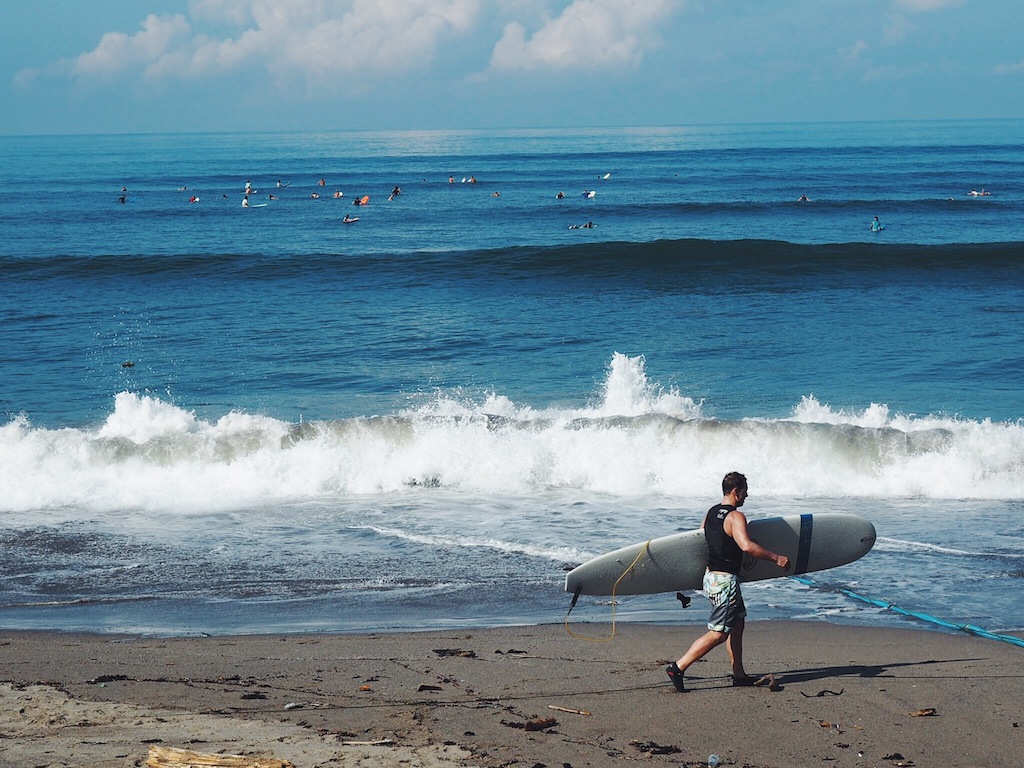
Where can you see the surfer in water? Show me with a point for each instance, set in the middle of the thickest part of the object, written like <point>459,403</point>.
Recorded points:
<point>725,529</point>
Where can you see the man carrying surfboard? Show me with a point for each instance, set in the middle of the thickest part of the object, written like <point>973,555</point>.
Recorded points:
<point>725,529</point>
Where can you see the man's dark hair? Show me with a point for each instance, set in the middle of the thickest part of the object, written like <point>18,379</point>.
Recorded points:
<point>732,481</point>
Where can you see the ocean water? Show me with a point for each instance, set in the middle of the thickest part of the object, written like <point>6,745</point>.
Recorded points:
<point>224,419</point>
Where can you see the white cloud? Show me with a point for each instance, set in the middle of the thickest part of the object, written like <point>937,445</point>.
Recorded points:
<point>322,44</point>
<point>310,40</point>
<point>897,30</point>
<point>234,12</point>
<point>374,36</point>
<point>924,6</point>
<point>852,54</point>
<point>1010,69</point>
<point>587,34</point>
<point>118,52</point>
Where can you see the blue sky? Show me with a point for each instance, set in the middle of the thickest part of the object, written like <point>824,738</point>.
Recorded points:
<point>68,66</point>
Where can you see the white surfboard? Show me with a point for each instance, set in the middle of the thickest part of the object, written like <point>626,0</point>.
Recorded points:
<point>676,562</point>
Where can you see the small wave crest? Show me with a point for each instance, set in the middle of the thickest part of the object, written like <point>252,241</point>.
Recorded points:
<point>884,544</point>
<point>557,554</point>
<point>701,259</point>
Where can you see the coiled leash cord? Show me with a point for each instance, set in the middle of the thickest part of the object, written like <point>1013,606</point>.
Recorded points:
<point>615,587</point>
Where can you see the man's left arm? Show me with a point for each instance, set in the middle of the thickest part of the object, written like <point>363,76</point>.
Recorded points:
<point>736,527</point>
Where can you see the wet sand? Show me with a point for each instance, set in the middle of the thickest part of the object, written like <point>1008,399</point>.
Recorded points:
<point>519,696</point>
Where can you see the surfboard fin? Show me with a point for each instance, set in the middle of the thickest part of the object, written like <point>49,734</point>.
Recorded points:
<point>575,597</point>
<point>683,599</point>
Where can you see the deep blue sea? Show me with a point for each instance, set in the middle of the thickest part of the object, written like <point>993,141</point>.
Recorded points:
<point>228,419</point>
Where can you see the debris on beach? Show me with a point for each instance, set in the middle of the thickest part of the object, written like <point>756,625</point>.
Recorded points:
<point>768,681</point>
<point>101,679</point>
<point>926,712</point>
<point>651,748</point>
<point>823,693</point>
<point>455,652</point>
<point>569,710</point>
<point>538,724</point>
<point>899,760</point>
<point>172,757</point>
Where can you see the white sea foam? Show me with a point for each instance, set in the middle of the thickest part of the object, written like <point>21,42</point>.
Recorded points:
<point>636,440</point>
<point>885,544</point>
<point>557,554</point>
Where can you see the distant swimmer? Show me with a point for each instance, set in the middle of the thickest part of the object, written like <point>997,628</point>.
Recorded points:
<point>349,219</point>
<point>588,225</point>
<point>314,196</point>
<point>322,183</point>
<point>876,225</point>
<point>271,197</point>
<point>281,184</point>
<point>451,179</point>
<point>560,196</point>
<point>495,194</point>
<point>976,193</point>
<point>337,193</point>
<point>803,199</point>
<point>194,199</point>
<point>122,199</point>
<point>245,201</point>
<point>472,179</point>
<point>589,193</point>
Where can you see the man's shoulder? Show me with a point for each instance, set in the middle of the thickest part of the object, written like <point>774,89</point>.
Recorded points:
<point>733,517</point>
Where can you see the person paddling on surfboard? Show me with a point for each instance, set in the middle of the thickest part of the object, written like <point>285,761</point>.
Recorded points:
<point>725,529</point>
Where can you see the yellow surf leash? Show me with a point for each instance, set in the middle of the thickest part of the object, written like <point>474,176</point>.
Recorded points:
<point>615,587</point>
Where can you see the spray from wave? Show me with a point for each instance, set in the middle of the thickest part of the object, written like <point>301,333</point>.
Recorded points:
<point>636,439</point>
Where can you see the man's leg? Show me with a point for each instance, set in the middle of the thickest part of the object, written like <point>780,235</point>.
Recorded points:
<point>735,648</point>
<point>700,647</point>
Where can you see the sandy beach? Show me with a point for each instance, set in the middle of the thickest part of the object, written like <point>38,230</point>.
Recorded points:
<point>522,696</point>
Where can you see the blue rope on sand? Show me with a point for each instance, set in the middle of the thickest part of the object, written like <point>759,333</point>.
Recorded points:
<point>970,628</point>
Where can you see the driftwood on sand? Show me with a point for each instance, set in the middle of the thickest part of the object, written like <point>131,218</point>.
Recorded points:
<point>170,757</point>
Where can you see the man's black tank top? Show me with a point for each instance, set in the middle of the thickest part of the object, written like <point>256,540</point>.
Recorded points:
<point>724,553</point>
